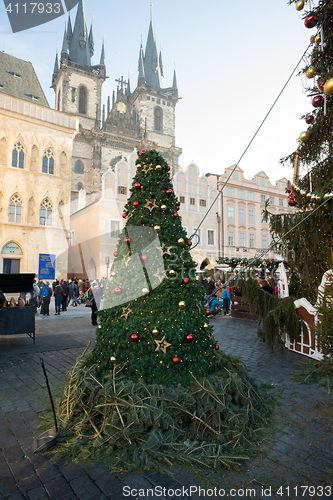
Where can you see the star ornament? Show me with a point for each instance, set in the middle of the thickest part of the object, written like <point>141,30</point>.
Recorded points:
<point>164,252</point>
<point>160,276</point>
<point>127,259</point>
<point>162,344</point>
<point>146,169</point>
<point>126,311</point>
<point>150,205</point>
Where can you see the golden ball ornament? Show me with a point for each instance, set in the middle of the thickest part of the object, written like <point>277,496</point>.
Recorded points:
<point>181,241</point>
<point>158,168</point>
<point>300,5</point>
<point>113,273</point>
<point>328,87</point>
<point>145,291</point>
<point>205,325</point>
<point>317,39</point>
<point>304,136</point>
<point>113,359</point>
<point>311,72</point>
<point>154,331</point>
<point>139,166</point>
<point>195,263</point>
<point>157,228</point>
<point>172,272</point>
<point>197,279</point>
<point>163,208</point>
<point>181,304</point>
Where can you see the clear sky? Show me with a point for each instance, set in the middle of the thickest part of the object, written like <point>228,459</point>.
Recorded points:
<point>232,59</point>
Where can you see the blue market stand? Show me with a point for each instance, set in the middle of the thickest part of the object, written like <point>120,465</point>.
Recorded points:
<point>17,320</point>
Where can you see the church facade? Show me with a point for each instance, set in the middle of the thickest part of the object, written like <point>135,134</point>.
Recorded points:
<point>138,119</point>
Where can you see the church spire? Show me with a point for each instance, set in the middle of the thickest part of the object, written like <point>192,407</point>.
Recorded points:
<point>160,60</point>
<point>141,66</point>
<point>69,32</point>
<point>174,83</point>
<point>91,38</point>
<point>128,86</point>
<point>151,60</point>
<point>56,63</point>
<point>102,60</point>
<point>64,42</point>
<point>80,51</point>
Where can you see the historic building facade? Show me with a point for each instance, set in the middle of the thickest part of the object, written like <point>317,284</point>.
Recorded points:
<point>36,144</point>
<point>234,226</point>
<point>139,119</point>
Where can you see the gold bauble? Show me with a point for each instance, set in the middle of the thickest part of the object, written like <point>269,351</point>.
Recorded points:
<point>304,136</point>
<point>300,5</point>
<point>217,259</point>
<point>181,304</point>
<point>113,359</point>
<point>311,72</point>
<point>157,228</point>
<point>181,241</point>
<point>145,291</point>
<point>317,39</point>
<point>158,168</point>
<point>154,331</point>
<point>139,166</point>
<point>163,207</point>
<point>328,87</point>
<point>113,273</point>
<point>205,325</point>
<point>172,272</point>
<point>195,263</point>
<point>197,279</point>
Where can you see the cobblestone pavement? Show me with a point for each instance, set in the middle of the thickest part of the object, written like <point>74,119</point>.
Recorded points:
<point>299,454</point>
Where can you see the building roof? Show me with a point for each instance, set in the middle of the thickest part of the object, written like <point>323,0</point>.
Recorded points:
<point>18,79</point>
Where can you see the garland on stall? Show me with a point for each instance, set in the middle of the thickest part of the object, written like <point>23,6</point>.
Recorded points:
<point>278,314</point>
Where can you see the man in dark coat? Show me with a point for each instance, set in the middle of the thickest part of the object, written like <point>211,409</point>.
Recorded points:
<point>208,284</point>
<point>45,298</point>
<point>65,288</point>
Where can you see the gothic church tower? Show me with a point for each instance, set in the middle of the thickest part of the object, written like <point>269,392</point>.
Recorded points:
<point>78,88</point>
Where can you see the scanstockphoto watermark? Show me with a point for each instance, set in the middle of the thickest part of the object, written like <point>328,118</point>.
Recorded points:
<point>24,14</point>
<point>188,491</point>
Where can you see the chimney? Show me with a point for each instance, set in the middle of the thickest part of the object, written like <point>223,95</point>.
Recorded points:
<point>82,198</point>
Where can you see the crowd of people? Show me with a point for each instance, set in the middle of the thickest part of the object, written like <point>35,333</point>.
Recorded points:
<point>71,292</point>
<point>217,296</point>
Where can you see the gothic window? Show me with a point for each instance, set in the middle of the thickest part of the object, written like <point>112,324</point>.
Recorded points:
<point>82,101</point>
<point>158,119</point>
<point>78,167</point>
<point>18,155</point>
<point>45,213</point>
<point>15,209</point>
<point>48,162</point>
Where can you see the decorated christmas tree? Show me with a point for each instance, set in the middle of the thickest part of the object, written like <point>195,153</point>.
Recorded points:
<point>154,323</point>
<point>309,245</point>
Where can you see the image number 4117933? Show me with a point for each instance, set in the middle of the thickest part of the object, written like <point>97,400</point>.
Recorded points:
<point>24,14</point>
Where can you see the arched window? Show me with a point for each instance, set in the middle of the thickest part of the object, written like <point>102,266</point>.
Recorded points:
<point>15,209</point>
<point>18,155</point>
<point>45,213</point>
<point>79,186</point>
<point>82,101</point>
<point>78,167</point>
<point>48,162</point>
<point>158,119</point>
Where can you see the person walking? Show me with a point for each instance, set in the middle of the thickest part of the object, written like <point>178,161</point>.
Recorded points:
<point>36,296</point>
<point>73,292</point>
<point>97,293</point>
<point>46,297</point>
<point>226,296</point>
<point>64,301</point>
<point>209,286</point>
<point>57,297</point>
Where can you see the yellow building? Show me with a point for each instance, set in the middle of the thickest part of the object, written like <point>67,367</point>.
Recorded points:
<point>232,228</point>
<point>36,144</point>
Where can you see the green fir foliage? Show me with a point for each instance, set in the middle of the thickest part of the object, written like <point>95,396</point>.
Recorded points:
<point>171,308</point>
<point>278,314</point>
<point>211,423</point>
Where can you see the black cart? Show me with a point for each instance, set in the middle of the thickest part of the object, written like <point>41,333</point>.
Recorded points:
<point>17,320</point>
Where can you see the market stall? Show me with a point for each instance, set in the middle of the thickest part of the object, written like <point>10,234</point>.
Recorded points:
<point>17,317</point>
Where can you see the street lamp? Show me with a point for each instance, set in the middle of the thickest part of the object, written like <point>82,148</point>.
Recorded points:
<point>219,219</point>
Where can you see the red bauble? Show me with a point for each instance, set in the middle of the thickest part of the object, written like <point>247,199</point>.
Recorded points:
<point>127,240</point>
<point>107,287</point>
<point>117,290</point>
<point>175,215</point>
<point>189,337</point>
<point>115,253</point>
<point>310,21</point>
<point>169,168</point>
<point>292,202</point>
<point>134,337</point>
<point>186,281</point>
<point>137,185</point>
<point>189,243</point>
<point>143,152</point>
<point>318,101</point>
<point>177,207</point>
<point>207,311</point>
<point>309,119</point>
<point>175,360</point>
<point>124,215</point>
<point>217,347</point>
<point>144,258</point>
<point>135,204</point>
<point>136,171</point>
<point>169,192</point>
<point>320,84</point>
